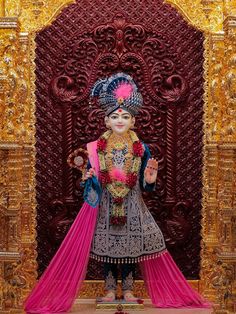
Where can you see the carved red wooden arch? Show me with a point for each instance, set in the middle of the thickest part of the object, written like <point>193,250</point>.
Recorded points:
<point>165,57</point>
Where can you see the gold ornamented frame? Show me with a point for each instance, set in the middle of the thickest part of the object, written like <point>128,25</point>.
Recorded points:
<point>19,20</point>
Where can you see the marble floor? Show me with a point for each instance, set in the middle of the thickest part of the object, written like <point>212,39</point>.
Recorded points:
<point>88,307</point>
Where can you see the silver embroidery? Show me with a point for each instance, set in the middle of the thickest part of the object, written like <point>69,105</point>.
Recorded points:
<point>92,196</point>
<point>127,283</point>
<point>140,236</point>
<point>110,282</point>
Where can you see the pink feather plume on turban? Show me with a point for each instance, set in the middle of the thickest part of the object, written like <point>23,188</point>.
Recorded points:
<point>124,90</point>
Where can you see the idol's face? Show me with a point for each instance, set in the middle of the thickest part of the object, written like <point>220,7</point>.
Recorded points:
<point>120,121</point>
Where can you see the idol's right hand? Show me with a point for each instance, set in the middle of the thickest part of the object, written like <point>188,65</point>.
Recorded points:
<point>89,174</point>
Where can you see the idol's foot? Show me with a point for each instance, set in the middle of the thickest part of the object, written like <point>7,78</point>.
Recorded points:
<point>129,297</point>
<point>109,297</point>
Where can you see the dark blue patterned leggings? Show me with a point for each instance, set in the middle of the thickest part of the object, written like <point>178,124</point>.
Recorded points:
<point>111,276</point>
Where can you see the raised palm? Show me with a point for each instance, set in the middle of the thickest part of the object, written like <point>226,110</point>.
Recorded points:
<point>150,172</point>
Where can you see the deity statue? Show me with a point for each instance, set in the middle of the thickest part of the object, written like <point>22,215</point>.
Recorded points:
<point>125,232</point>
<point>114,225</point>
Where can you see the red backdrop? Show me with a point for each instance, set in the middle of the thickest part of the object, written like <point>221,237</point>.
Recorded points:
<point>151,42</point>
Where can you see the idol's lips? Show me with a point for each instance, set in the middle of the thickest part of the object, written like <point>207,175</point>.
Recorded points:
<point>119,125</point>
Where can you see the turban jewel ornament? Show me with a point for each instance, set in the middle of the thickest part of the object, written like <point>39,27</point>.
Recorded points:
<point>117,91</point>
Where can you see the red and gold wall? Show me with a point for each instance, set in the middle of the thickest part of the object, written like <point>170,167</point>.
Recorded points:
<point>20,24</point>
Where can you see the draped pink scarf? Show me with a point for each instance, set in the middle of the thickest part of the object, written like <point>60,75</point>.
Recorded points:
<point>167,286</point>
<point>60,284</point>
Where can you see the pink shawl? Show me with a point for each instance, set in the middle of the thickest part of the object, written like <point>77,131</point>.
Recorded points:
<point>59,285</point>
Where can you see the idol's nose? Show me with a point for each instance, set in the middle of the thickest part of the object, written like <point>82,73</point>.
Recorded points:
<point>119,119</point>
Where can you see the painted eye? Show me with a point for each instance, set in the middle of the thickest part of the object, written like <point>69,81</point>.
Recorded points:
<point>114,117</point>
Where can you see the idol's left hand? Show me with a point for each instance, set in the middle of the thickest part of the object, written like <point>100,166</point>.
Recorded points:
<point>150,172</point>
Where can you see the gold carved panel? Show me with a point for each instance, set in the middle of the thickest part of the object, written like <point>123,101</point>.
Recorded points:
<point>18,22</point>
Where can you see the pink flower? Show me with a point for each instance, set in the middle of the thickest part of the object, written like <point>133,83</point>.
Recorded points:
<point>138,149</point>
<point>118,175</point>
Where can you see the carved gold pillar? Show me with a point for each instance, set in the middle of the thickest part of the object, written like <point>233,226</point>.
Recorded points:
<point>17,202</point>
<point>214,51</point>
<point>227,165</point>
<point>219,254</point>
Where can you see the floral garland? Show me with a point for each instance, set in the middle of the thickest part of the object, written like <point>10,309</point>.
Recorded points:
<point>118,216</point>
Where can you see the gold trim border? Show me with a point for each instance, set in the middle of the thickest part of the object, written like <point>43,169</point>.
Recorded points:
<point>95,288</point>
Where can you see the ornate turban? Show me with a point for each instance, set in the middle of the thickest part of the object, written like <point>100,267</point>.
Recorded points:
<point>117,91</point>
